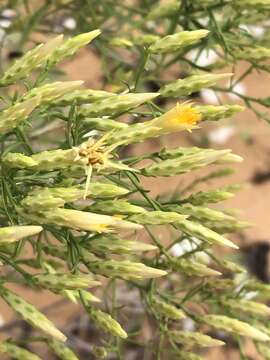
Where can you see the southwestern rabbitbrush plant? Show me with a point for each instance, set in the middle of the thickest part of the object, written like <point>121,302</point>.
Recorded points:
<point>79,197</point>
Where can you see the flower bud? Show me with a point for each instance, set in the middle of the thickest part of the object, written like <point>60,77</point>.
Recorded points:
<point>30,314</point>
<point>32,60</point>
<point>86,221</point>
<point>164,9</point>
<point>72,45</point>
<point>231,266</point>
<point>209,197</point>
<point>177,41</point>
<point>187,355</point>
<point>248,306</point>
<point>218,112</point>
<point>157,218</point>
<point>103,245</point>
<point>17,114</point>
<point>200,213</point>
<point>50,93</point>
<point>117,104</point>
<point>124,269</point>
<point>262,348</point>
<point>106,322</point>
<point>62,281</point>
<point>103,124</point>
<point>191,268</point>
<point>234,326</point>
<point>16,352</point>
<point>145,39</point>
<point>61,350</point>
<point>190,338</point>
<point>18,161</point>
<point>15,233</point>
<point>184,164</point>
<point>167,310</point>
<point>191,84</point>
<point>83,96</point>
<point>116,207</point>
<point>121,42</point>
<point>203,233</point>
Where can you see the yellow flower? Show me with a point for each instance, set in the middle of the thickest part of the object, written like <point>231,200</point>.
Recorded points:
<point>181,117</point>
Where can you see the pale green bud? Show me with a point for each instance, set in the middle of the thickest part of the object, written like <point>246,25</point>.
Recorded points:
<point>45,198</point>
<point>145,39</point>
<point>167,310</point>
<point>18,161</point>
<point>190,338</point>
<point>80,220</point>
<point>117,104</point>
<point>256,53</point>
<point>50,93</point>
<point>256,285</point>
<point>103,124</point>
<point>30,314</point>
<point>195,229</point>
<point>15,233</point>
<point>116,207</point>
<point>191,84</point>
<point>248,306</point>
<point>186,153</point>
<point>183,164</point>
<point>16,352</point>
<point>121,42</point>
<point>32,60</point>
<point>214,113</point>
<point>234,326</point>
<point>221,284</point>
<point>200,213</point>
<point>61,281</point>
<point>191,268</point>
<point>100,352</point>
<point>71,46</point>
<point>209,197</point>
<point>124,269</point>
<point>61,350</point>
<point>41,201</point>
<point>106,190</point>
<point>231,266</point>
<point>106,322</point>
<point>229,159</point>
<point>54,159</point>
<point>134,133</point>
<point>178,41</point>
<point>262,348</point>
<point>83,96</point>
<point>187,355</point>
<point>254,4</point>
<point>164,9</point>
<point>227,226</point>
<point>158,218</point>
<point>17,114</point>
<point>103,245</point>
<point>87,296</point>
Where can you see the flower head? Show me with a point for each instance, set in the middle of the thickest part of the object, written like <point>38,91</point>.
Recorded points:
<point>181,117</point>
